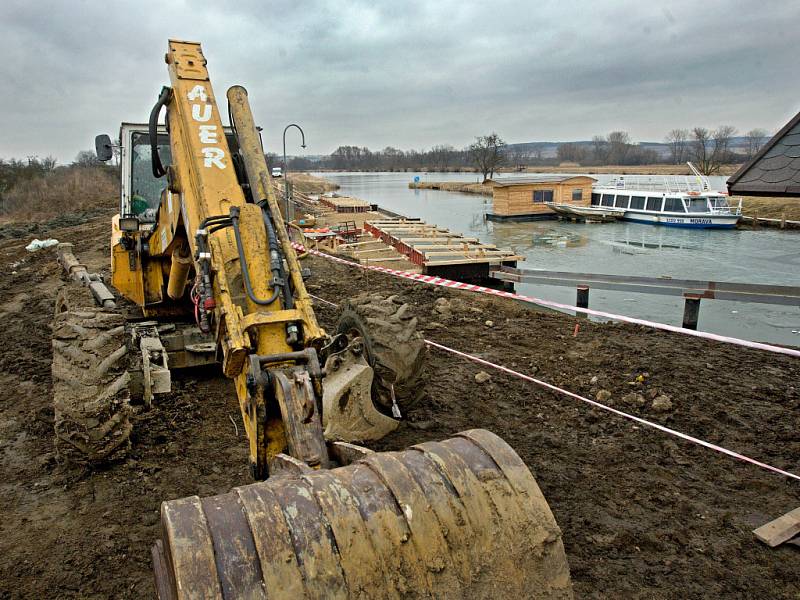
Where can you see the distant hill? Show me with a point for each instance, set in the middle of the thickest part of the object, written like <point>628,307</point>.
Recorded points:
<point>549,149</point>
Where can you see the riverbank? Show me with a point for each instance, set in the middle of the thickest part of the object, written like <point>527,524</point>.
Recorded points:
<point>453,186</point>
<point>310,184</point>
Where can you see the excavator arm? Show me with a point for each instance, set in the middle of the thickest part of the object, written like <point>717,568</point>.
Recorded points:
<point>249,287</point>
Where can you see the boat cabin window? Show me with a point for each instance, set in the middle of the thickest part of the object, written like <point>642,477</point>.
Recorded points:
<point>653,203</point>
<point>698,205</point>
<point>595,199</point>
<point>540,196</point>
<point>719,202</point>
<point>577,194</point>
<point>622,201</point>
<point>608,200</point>
<point>673,205</point>
<point>637,202</point>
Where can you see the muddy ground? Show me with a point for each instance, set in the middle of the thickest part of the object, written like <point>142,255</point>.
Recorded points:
<point>643,515</point>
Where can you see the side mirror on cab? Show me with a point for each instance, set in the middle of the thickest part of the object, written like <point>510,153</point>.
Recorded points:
<point>103,147</point>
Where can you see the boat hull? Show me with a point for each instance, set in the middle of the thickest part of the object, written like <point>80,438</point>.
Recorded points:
<point>684,221</point>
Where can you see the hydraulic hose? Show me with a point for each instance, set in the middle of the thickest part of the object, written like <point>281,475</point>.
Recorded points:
<point>152,128</point>
<point>277,284</point>
<point>276,259</point>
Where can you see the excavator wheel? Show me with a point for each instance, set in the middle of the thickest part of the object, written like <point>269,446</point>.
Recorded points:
<point>461,518</point>
<point>394,348</point>
<point>90,380</point>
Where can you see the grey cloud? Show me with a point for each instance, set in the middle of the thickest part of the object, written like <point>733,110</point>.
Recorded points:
<point>408,74</point>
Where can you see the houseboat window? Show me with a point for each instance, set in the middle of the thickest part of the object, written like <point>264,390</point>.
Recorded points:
<point>542,196</point>
<point>673,205</point>
<point>608,200</point>
<point>637,202</point>
<point>698,205</point>
<point>653,203</point>
<point>595,199</point>
<point>622,201</point>
<point>577,194</point>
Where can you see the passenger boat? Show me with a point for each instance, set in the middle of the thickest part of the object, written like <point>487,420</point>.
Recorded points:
<point>668,201</point>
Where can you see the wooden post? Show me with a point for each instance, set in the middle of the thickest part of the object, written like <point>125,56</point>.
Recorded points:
<point>783,220</point>
<point>691,311</point>
<point>583,298</point>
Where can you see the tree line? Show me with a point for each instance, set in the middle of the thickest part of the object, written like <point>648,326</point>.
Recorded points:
<point>708,149</point>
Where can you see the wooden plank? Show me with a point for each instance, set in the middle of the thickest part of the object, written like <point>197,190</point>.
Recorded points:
<point>779,530</point>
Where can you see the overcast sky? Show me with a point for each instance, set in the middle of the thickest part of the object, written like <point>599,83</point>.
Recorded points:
<point>405,74</point>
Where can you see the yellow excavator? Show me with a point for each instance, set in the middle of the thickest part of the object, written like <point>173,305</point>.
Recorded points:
<point>203,271</point>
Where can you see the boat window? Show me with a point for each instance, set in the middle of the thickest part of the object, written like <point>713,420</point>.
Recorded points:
<point>654,203</point>
<point>622,201</point>
<point>577,194</point>
<point>698,205</point>
<point>637,202</point>
<point>719,202</point>
<point>608,200</point>
<point>673,205</point>
<point>540,196</point>
<point>595,199</point>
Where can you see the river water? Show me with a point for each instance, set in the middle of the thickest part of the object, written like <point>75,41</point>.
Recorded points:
<point>764,256</point>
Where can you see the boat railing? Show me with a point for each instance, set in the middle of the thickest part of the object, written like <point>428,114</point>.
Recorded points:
<point>661,183</point>
<point>730,209</point>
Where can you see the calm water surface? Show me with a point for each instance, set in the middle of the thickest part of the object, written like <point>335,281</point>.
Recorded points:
<point>765,256</point>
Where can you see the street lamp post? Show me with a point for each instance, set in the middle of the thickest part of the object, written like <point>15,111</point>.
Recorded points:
<point>286,170</point>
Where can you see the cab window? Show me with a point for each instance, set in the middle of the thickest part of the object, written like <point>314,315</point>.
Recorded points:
<point>145,189</point>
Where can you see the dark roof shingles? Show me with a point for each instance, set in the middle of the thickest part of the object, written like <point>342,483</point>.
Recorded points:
<point>775,170</point>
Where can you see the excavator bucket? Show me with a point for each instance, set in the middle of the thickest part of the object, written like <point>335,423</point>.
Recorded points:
<point>461,518</point>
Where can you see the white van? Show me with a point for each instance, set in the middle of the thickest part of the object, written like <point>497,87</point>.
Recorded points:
<point>277,172</point>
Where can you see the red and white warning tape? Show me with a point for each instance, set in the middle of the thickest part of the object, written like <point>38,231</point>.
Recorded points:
<point>620,413</point>
<point>440,281</point>
<point>599,405</point>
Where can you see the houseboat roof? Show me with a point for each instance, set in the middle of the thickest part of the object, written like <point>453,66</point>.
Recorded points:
<point>512,181</point>
<point>775,169</point>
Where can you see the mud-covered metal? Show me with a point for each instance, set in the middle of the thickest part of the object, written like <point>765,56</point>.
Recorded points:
<point>461,518</point>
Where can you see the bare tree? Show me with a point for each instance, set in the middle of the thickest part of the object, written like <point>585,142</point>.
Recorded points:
<point>755,139</point>
<point>487,154</point>
<point>570,152</point>
<point>711,149</point>
<point>678,140</point>
<point>600,149</point>
<point>116,151</point>
<point>619,143</point>
<point>86,158</point>
<point>440,156</point>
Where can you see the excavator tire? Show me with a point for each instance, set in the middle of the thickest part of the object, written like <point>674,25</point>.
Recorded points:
<point>90,380</point>
<point>461,518</point>
<point>394,348</point>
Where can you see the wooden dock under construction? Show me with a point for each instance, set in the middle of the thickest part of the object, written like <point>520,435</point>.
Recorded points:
<point>439,251</point>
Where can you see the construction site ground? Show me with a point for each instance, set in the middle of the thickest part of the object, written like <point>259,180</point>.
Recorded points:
<point>643,515</point>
